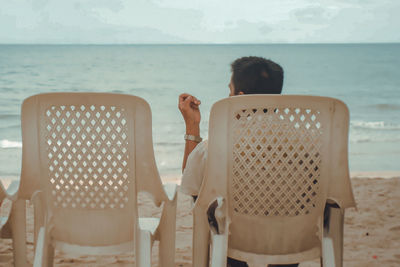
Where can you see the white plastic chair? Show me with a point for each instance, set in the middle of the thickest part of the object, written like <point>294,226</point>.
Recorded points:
<point>90,154</point>
<point>273,164</point>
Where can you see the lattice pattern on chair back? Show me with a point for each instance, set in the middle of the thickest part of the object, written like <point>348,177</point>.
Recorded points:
<point>87,152</point>
<point>276,161</point>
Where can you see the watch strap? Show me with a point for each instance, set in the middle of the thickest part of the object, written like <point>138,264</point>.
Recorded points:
<point>194,138</point>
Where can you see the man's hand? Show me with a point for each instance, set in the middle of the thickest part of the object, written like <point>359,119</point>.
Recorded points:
<point>189,107</point>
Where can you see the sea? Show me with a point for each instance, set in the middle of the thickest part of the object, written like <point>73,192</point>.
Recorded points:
<point>365,76</point>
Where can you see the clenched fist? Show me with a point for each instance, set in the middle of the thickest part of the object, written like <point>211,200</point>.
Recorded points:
<point>189,107</point>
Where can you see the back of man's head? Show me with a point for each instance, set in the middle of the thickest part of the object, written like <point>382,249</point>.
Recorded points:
<point>256,75</point>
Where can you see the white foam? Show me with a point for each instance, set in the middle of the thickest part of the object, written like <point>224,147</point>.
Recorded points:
<point>10,144</point>
<point>374,125</point>
<point>360,139</point>
<point>354,138</point>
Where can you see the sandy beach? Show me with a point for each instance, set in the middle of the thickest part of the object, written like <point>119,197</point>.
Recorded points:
<point>371,237</point>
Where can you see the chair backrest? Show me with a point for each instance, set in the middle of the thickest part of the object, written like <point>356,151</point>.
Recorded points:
<point>90,153</point>
<point>274,158</point>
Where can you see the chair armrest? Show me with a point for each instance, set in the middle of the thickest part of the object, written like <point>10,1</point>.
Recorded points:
<point>5,227</point>
<point>171,191</point>
<point>219,232</point>
<point>217,216</point>
<point>41,249</point>
<point>167,227</point>
<point>331,203</point>
<point>169,208</point>
<point>10,192</point>
<point>219,250</point>
<point>166,193</point>
<point>332,241</point>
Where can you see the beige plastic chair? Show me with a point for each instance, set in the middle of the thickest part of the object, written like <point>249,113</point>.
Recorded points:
<point>14,225</point>
<point>273,163</point>
<point>14,220</point>
<point>90,154</point>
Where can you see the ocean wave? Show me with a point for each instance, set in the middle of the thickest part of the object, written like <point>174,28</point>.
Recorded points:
<point>360,139</point>
<point>10,72</point>
<point>169,143</point>
<point>376,125</point>
<point>10,144</point>
<point>14,126</point>
<point>387,106</point>
<point>9,116</point>
<point>373,139</point>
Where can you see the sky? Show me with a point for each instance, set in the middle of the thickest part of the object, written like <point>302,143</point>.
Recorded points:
<point>199,21</point>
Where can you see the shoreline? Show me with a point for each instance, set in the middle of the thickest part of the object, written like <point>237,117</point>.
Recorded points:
<point>375,174</point>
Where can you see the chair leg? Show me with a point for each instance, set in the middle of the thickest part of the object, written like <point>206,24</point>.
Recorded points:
<point>42,253</point>
<point>167,234</point>
<point>332,243</point>
<point>201,239</point>
<point>219,250</point>
<point>38,211</point>
<point>143,249</point>
<point>50,255</point>
<point>167,248</point>
<point>18,226</point>
<point>219,226</point>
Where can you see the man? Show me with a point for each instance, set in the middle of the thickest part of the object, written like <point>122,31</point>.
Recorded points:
<point>250,75</point>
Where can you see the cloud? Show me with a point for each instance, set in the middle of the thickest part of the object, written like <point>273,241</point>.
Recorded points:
<point>311,15</point>
<point>367,22</point>
<point>203,21</point>
<point>81,22</point>
<point>265,29</point>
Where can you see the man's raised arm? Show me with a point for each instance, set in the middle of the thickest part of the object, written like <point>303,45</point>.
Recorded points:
<point>189,108</point>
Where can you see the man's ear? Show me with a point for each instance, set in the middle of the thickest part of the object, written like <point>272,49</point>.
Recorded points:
<point>241,93</point>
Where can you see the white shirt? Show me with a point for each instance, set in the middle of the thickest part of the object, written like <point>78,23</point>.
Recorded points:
<point>193,173</point>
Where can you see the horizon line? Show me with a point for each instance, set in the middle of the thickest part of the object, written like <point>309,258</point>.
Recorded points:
<point>216,44</point>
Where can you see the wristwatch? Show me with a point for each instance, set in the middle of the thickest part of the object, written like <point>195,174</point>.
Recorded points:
<point>194,138</point>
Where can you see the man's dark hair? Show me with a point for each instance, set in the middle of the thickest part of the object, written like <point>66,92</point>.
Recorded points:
<point>256,75</point>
